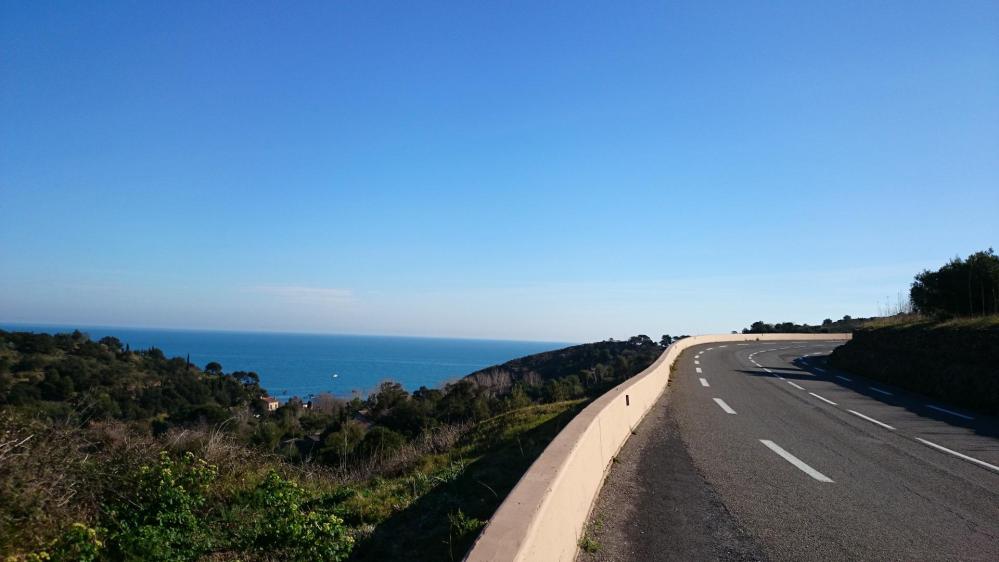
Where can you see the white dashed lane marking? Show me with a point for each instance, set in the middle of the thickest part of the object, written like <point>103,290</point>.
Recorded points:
<point>959,455</point>
<point>704,382</point>
<point>946,411</point>
<point>872,420</point>
<point>795,461</point>
<point>826,400</point>
<point>721,404</point>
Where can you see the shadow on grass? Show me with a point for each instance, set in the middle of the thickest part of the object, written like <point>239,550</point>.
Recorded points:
<point>424,530</point>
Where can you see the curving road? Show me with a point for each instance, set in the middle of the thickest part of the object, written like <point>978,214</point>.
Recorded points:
<point>761,451</point>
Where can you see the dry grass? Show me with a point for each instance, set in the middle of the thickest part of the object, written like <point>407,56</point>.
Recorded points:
<point>913,320</point>
<point>56,474</point>
<point>972,322</point>
<point>434,442</point>
<point>45,482</point>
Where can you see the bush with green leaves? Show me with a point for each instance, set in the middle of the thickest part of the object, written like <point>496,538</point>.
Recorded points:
<point>161,519</point>
<point>279,518</point>
<point>78,544</point>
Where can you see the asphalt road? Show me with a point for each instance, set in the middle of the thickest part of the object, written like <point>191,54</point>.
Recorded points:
<point>762,451</point>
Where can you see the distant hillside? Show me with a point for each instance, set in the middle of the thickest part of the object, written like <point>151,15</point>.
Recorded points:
<point>109,453</point>
<point>828,326</point>
<point>592,362</point>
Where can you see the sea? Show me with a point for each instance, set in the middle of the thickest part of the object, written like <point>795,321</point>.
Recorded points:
<point>304,365</point>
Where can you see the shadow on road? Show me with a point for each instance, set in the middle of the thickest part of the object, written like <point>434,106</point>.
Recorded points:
<point>981,424</point>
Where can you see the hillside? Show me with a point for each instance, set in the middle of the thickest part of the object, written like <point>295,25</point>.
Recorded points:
<point>590,363</point>
<point>108,453</point>
<point>828,326</point>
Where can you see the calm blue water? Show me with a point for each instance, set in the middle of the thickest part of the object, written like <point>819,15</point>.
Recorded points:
<point>303,364</point>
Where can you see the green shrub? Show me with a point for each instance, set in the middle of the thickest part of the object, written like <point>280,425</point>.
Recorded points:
<point>78,544</point>
<point>160,520</point>
<point>282,521</point>
<point>589,544</point>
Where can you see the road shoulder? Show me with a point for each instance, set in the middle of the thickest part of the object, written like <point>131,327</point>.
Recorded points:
<point>655,505</point>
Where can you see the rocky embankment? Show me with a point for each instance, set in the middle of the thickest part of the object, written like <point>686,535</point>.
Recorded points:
<point>957,363</point>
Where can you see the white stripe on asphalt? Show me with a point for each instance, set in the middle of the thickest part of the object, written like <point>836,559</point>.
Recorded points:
<point>696,362</point>
<point>795,461</point>
<point>698,369</point>
<point>767,370</point>
<point>795,386</point>
<point>820,369</point>
<point>704,382</point>
<point>826,400</point>
<point>885,392</point>
<point>946,411</point>
<point>724,406</point>
<point>872,420</point>
<point>720,346</point>
<point>844,378</point>
<point>959,455</point>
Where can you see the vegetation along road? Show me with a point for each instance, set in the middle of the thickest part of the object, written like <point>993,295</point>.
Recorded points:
<point>762,451</point>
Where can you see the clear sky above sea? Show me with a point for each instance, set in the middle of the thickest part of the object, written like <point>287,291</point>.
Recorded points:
<point>524,170</point>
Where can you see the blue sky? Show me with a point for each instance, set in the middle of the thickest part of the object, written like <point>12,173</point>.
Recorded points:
<point>524,170</point>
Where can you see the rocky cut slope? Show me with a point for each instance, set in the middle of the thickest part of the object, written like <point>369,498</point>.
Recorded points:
<point>956,361</point>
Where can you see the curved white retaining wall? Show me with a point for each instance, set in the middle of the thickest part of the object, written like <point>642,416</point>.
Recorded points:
<point>543,517</point>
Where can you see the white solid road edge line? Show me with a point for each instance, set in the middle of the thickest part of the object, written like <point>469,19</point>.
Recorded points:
<point>795,461</point>
<point>946,411</point>
<point>826,400</point>
<point>724,406</point>
<point>704,382</point>
<point>959,455</point>
<point>872,420</point>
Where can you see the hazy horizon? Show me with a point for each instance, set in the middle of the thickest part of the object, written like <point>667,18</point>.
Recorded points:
<point>526,172</point>
<point>14,326</point>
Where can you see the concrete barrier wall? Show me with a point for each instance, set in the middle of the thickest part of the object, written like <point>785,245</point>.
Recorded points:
<point>544,516</point>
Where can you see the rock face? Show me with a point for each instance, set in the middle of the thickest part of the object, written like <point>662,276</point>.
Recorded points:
<point>957,365</point>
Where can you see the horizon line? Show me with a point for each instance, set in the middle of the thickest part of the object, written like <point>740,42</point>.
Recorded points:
<point>83,327</point>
